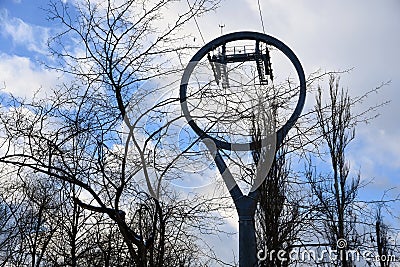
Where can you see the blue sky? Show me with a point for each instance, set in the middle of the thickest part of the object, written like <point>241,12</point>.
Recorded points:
<point>19,20</point>
<point>327,35</point>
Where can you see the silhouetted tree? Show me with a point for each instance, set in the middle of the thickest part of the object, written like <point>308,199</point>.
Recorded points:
<point>98,136</point>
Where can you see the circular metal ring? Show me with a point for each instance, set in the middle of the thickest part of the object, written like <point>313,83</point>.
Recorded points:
<point>236,36</point>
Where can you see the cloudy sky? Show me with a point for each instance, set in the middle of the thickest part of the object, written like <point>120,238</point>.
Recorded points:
<point>362,35</point>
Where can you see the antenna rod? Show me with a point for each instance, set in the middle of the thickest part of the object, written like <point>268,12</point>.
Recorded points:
<point>221,26</point>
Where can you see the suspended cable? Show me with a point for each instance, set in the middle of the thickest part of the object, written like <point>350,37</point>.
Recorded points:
<point>195,20</point>
<point>261,18</point>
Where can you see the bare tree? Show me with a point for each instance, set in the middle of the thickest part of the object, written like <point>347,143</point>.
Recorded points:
<point>336,194</point>
<point>30,207</point>
<point>8,227</point>
<point>93,133</point>
<point>384,246</point>
<point>279,215</point>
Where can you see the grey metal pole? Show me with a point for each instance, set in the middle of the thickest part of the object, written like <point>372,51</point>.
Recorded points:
<point>246,207</point>
<point>247,242</point>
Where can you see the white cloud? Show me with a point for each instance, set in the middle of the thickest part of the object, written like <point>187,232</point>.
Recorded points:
<point>33,37</point>
<point>20,76</point>
<point>380,149</point>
